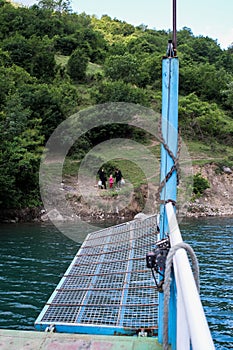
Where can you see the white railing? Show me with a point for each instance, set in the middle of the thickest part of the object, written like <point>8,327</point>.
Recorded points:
<point>191,321</point>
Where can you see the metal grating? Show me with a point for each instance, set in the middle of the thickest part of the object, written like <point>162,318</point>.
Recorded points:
<point>107,289</point>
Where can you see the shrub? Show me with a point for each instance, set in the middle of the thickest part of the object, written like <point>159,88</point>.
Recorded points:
<point>77,65</point>
<point>200,184</point>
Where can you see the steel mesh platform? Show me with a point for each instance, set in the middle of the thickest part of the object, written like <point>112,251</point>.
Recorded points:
<point>107,289</point>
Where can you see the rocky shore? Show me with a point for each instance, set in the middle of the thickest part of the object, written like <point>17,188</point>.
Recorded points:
<point>215,201</point>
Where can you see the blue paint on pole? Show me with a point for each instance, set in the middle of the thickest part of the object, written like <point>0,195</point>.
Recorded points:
<point>169,126</point>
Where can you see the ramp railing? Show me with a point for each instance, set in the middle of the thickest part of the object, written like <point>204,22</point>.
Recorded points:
<point>192,326</point>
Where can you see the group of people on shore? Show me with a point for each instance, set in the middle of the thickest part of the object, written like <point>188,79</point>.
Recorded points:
<point>116,178</point>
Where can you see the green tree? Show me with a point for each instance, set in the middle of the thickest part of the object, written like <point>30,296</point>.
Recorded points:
<point>97,43</point>
<point>19,49</point>
<point>204,79</point>
<point>204,121</point>
<point>127,68</point>
<point>35,55</point>
<point>185,35</point>
<point>77,65</point>
<point>43,61</point>
<point>43,105</point>
<point>5,60</point>
<point>147,41</point>
<point>50,103</point>
<point>117,49</point>
<point>21,148</point>
<point>228,97</point>
<point>205,49</point>
<point>152,64</point>
<point>113,29</point>
<point>118,91</point>
<point>230,48</point>
<point>66,44</point>
<point>11,79</point>
<point>62,6</point>
<point>225,61</point>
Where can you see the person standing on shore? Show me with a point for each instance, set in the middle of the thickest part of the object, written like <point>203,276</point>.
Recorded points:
<point>102,177</point>
<point>111,181</point>
<point>118,176</point>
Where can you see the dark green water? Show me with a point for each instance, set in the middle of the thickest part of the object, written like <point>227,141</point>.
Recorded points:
<point>34,257</point>
<point>212,240</point>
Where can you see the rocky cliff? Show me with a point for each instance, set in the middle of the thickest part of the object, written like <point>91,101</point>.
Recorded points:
<point>216,200</point>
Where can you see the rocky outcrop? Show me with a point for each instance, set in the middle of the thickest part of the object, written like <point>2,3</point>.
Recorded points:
<point>216,200</point>
<point>21,215</point>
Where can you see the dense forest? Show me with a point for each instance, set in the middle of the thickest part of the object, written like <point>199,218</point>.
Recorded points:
<point>54,62</point>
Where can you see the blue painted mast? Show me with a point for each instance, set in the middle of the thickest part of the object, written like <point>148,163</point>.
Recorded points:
<point>168,171</point>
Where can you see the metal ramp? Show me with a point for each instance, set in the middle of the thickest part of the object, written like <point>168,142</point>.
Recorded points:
<point>107,289</point>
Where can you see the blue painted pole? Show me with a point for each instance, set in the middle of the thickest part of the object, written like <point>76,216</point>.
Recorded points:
<point>170,72</point>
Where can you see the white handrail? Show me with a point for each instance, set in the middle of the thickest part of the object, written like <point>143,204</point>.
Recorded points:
<point>191,322</point>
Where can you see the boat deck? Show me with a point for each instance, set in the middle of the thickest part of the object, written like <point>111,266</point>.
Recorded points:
<point>15,340</point>
<point>107,289</point>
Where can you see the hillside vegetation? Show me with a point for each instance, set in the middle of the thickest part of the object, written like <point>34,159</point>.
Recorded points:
<point>54,62</point>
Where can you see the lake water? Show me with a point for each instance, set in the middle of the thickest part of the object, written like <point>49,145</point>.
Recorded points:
<point>34,257</point>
